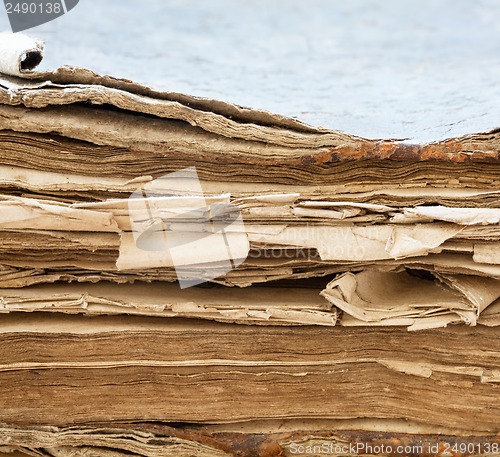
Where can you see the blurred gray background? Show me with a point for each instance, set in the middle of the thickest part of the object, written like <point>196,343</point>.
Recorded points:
<point>420,70</point>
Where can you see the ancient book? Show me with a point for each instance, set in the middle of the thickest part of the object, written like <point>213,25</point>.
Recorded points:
<point>185,276</point>
<point>114,370</point>
<point>289,199</point>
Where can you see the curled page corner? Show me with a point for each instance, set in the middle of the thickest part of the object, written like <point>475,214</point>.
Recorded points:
<point>19,54</point>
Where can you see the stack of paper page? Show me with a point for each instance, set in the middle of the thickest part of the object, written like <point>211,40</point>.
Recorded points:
<point>101,177</point>
<point>130,218</point>
<point>114,383</point>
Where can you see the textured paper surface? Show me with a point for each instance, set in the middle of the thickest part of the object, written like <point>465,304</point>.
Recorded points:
<point>370,196</point>
<point>352,67</point>
<point>377,298</point>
